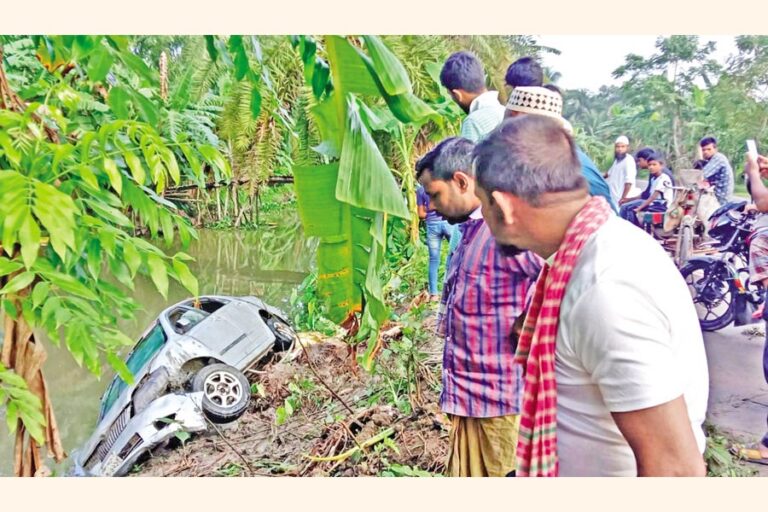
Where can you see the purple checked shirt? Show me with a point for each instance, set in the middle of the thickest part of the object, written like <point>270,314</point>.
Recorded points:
<point>484,293</point>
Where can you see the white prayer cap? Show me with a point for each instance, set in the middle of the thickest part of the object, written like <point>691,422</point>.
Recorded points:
<point>622,139</point>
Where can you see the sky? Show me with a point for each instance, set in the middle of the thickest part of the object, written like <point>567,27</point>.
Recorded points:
<point>586,62</point>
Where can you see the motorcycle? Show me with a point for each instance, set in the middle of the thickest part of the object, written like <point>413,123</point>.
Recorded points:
<point>720,285</point>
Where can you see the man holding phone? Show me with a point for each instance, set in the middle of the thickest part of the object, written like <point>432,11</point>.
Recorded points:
<point>756,170</point>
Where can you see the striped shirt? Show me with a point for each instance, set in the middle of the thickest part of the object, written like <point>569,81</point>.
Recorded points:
<point>485,114</point>
<point>719,174</point>
<point>483,295</point>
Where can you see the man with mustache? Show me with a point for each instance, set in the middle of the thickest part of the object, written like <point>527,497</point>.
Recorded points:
<point>622,174</point>
<point>616,377</point>
<point>485,292</point>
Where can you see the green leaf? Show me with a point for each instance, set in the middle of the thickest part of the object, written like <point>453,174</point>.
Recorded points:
<point>120,367</point>
<point>159,273</point>
<point>138,66</point>
<point>18,282</point>
<point>29,237</point>
<point>12,417</point>
<point>114,174</point>
<point>94,257</point>
<point>99,64</point>
<point>213,53</point>
<point>349,72</point>
<point>167,223</point>
<point>147,109</point>
<point>88,176</point>
<point>11,153</point>
<point>255,101</point>
<point>242,66</point>
<point>185,277</point>
<point>193,161</point>
<point>40,293</point>
<point>8,266</point>
<point>132,257</point>
<point>169,159</point>
<point>320,77</point>
<point>113,215</point>
<point>10,309</point>
<point>213,157</point>
<point>134,164</point>
<point>120,271</point>
<point>70,284</point>
<point>359,152</point>
<point>183,436</point>
<point>390,70</point>
<point>118,101</point>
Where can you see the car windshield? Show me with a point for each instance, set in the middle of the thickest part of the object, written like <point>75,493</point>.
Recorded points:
<point>144,350</point>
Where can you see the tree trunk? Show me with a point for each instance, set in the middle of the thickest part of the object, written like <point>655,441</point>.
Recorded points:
<point>25,355</point>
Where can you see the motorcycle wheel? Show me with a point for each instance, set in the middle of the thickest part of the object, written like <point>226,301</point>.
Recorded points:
<point>711,292</point>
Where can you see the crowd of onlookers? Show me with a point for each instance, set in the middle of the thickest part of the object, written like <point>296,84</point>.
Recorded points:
<point>560,357</point>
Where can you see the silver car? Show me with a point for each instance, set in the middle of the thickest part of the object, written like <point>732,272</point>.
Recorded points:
<point>188,370</point>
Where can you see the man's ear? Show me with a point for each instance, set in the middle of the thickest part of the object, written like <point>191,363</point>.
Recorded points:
<point>505,205</point>
<point>462,180</point>
<point>459,95</point>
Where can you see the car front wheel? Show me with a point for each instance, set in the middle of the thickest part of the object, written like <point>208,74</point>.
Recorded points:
<point>226,392</point>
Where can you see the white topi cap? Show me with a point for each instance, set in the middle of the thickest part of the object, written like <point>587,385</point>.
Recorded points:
<point>622,139</point>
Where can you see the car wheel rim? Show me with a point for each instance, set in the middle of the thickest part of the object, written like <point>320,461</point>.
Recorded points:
<point>223,389</point>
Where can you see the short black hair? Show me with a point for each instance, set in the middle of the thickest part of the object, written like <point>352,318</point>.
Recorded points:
<point>528,156</point>
<point>463,70</point>
<point>644,153</point>
<point>655,157</point>
<point>427,161</point>
<point>553,88</point>
<point>706,141</point>
<point>455,155</point>
<point>524,72</point>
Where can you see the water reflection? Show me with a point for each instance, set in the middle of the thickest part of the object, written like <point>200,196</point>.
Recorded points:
<point>269,263</point>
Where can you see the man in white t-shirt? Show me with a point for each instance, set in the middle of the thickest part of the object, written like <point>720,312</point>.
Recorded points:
<point>629,363</point>
<point>661,191</point>
<point>622,174</point>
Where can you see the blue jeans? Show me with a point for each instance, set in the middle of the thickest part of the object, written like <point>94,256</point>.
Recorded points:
<point>627,210</point>
<point>436,232</point>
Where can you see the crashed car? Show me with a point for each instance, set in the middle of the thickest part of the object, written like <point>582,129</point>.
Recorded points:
<point>188,370</point>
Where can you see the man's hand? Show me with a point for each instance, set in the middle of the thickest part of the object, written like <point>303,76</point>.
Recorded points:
<point>662,440</point>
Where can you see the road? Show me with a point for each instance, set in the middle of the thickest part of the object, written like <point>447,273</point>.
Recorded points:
<point>738,393</point>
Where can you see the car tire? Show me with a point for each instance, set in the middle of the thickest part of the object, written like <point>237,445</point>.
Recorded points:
<point>226,392</point>
<point>285,336</point>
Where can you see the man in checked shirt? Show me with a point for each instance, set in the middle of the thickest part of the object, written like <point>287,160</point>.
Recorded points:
<point>485,292</point>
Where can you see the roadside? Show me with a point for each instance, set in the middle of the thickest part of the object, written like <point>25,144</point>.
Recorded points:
<point>738,394</point>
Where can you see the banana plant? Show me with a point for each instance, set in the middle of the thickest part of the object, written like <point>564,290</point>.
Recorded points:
<point>346,201</point>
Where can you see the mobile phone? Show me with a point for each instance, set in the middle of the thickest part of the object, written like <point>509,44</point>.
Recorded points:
<point>752,148</point>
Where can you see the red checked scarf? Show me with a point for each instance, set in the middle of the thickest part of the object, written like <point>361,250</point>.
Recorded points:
<point>537,441</point>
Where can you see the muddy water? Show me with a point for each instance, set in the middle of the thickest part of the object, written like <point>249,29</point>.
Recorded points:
<point>269,263</point>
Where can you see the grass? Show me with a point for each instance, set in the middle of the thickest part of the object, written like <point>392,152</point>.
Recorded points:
<point>720,461</point>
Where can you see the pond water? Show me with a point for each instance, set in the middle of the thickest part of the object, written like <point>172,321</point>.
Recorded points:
<point>269,263</point>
